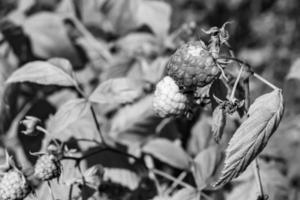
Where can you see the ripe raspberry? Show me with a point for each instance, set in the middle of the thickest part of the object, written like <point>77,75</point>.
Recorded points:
<point>192,65</point>
<point>47,167</point>
<point>13,186</point>
<point>167,98</point>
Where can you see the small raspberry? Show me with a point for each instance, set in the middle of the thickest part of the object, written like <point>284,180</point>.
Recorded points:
<point>47,167</point>
<point>14,186</point>
<point>168,100</point>
<point>192,65</point>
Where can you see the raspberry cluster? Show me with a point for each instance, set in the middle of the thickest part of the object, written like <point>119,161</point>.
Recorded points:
<point>47,167</point>
<point>14,186</point>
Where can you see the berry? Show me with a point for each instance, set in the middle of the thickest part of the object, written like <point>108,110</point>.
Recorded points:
<point>47,167</point>
<point>13,186</point>
<point>168,100</point>
<point>192,65</point>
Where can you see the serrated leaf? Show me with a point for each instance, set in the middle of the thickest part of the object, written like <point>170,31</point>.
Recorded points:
<point>123,177</point>
<point>186,194</point>
<point>42,73</point>
<point>117,91</point>
<point>253,134</point>
<point>205,164</point>
<point>67,114</point>
<point>168,152</point>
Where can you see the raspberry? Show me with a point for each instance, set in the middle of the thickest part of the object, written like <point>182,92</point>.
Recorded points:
<point>167,98</point>
<point>47,167</point>
<point>192,65</point>
<point>13,186</point>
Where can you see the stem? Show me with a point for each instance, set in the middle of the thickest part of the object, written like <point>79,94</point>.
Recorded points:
<point>262,79</point>
<point>169,177</point>
<point>236,83</point>
<point>97,125</point>
<point>258,177</point>
<point>180,178</point>
<point>70,192</point>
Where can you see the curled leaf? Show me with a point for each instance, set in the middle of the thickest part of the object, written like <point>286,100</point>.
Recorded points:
<point>218,123</point>
<point>253,135</point>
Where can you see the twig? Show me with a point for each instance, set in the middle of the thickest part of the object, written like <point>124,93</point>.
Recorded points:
<point>167,176</point>
<point>180,178</point>
<point>262,79</point>
<point>236,83</point>
<point>70,192</point>
<point>97,125</point>
<point>258,177</point>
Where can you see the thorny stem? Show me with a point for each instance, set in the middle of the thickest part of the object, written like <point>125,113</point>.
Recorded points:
<point>236,83</point>
<point>258,177</point>
<point>169,177</point>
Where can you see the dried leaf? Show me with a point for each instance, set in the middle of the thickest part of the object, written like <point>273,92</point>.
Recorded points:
<point>253,134</point>
<point>123,177</point>
<point>42,73</point>
<point>68,113</point>
<point>168,152</point>
<point>186,194</point>
<point>205,165</point>
<point>117,91</point>
<point>218,123</point>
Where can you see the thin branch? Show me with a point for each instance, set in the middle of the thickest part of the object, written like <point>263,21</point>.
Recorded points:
<point>169,177</point>
<point>236,83</point>
<point>258,177</point>
<point>262,79</point>
<point>97,125</point>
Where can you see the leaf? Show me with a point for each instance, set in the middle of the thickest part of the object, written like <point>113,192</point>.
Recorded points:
<point>155,14</point>
<point>168,152</point>
<point>122,15</point>
<point>134,123</point>
<point>117,91</point>
<point>294,72</point>
<point>49,38</point>
<point>274,183</point>
<point>186,194</point>
<point>42,73</point>
<point>67,114</point>
<point>253,135</point>
<point>205,165</point>
<point>123,177</point>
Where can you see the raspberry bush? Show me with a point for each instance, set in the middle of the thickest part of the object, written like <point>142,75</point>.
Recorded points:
<point>148,100</point>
